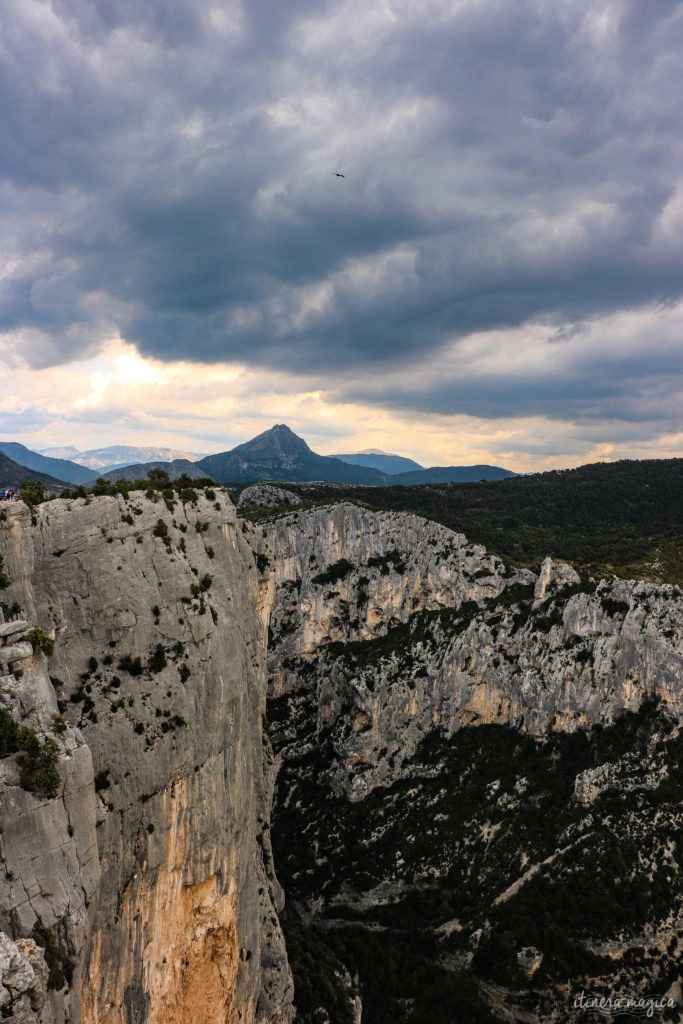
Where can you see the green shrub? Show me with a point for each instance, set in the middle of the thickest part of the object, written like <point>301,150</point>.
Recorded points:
<point>614,607</point>
<point>60,969</point>
<point>40,641</point>
<point>157,660</point>
<point>382,562</point>
<point>158,478</point>
<point>38,771</point>
<point>133,666</point>
<point>38,762</point>
<point>161,530</point>
<point>32,492</point>
<point>38,768</point>
<point>262,561</point>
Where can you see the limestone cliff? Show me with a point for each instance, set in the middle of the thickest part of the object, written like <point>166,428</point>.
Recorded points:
<point>151,867</point>
<point>480,774</point>
<point>393,624</point>
<point>138,884</point>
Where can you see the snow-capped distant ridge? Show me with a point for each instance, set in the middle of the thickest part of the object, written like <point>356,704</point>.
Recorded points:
<point>116,455</point>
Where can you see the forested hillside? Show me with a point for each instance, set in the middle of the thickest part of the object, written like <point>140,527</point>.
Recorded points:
<point>623,518</point>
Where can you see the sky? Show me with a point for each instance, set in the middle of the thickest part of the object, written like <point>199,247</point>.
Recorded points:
<point>497,277</point>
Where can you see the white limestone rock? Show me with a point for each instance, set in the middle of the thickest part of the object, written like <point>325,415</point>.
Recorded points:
<point>23,980</point>
<point>554,576</point>
<point>548,657</point>
<point>156,880</point>
<point>268,496</point>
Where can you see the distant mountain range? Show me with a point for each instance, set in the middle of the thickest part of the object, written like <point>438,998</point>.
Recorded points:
<point>59,468</point>
<point>276,454</point>
<point>13,475</point>
<point>384,461</point>
<point>116,455</point>
<point>279,454</point>
<point>407,471</point>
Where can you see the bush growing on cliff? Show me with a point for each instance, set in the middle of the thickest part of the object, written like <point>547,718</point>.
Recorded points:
<point>133,666</point>
<point>39,773</point>
<point>613,607</point>
<point>58,964</point>
<point>161,530</point>
<point>32,492</point>
<point>262,562</point>
<point>10,610</point>
<point>38,762</point>
<point>157,659</point>
<point>391,558</point>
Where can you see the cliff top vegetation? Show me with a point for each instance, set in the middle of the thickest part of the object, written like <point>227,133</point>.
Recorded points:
<point>619,518</point>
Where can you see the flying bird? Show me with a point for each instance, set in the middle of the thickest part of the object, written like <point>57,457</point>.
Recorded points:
<point>338,175</point>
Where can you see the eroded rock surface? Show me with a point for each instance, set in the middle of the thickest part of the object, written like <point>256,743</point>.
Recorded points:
<point>391,625</point>
<point>484,765</point>
<point>23,981</point>
<point>152,866</point>
<point>268,496</point>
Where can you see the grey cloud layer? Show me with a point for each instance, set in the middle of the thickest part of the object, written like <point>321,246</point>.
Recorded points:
<point>167,171</point>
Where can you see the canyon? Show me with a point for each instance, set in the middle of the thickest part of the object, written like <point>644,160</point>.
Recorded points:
<point>370,695</point>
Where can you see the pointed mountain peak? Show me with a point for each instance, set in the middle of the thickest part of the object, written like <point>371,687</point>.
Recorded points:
<point>280,438</point>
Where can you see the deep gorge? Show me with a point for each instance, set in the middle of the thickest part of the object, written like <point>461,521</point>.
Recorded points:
<point>446,744</point>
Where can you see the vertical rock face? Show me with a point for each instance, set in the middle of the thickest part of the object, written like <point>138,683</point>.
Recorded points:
<point>344,573</point>
<point>386,625</point>
<point>152,866</point>
<point>468,833</point>
<point>49,867</point>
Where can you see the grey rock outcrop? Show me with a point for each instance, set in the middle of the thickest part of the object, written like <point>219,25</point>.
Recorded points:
<point>389,643</point>
<point>474,642</point>
<point>344,573</point>
<point>268,496</point>
<point>48,847</point>
<point>153,865</point>
<point>553,577</point>
<point>23,981</point>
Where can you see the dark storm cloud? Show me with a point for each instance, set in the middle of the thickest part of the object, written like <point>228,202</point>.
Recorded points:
<point>610,398</point>
<point>168,172</point>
